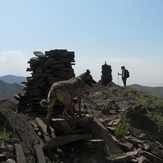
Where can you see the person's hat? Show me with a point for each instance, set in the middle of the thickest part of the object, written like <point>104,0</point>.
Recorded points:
<point>122,66</point>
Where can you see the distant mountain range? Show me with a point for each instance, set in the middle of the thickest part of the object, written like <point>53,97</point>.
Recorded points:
<point>10,85</point>
<point>155,91</point>
<point>13,79</point>
<point>9,90</point>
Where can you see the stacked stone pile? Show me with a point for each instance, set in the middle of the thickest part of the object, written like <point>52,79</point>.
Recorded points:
<point>53,66</point>
<point>106,77</point>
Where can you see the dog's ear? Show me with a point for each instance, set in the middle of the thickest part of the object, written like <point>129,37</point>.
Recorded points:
<point>87,71</point>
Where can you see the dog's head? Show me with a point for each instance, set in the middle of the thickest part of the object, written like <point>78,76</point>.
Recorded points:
<point>87,78</point>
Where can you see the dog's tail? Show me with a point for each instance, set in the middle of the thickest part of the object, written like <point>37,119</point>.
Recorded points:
<point>49,102</point>
<point>44,103</point>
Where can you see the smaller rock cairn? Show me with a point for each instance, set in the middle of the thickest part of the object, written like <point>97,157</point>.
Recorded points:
<point>53,66</point>
<point>106,77</point>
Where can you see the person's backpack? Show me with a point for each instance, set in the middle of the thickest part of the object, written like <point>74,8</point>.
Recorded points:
<point>127,74</point>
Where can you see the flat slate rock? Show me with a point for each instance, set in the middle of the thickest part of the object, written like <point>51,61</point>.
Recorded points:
<point>33,60</point>
<point>20,157</point>
<point>151,156</point>
<point>42,127</point>
<point>84,121</point>
<point>61,140</point>
<point>61,124</point>
<point>98,130</point>
<point>39,54</point>
<point>124,158</point>
<point>19,128</point>
<point>92,143</point>
<point>39,154</point>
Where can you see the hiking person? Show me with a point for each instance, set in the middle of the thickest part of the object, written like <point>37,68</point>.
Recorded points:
<point>125,75</point>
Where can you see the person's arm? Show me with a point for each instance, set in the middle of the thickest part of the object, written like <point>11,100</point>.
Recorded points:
<point>119,73</point>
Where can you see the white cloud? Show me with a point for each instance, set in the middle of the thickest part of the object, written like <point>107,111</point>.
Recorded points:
<point>13,62</point>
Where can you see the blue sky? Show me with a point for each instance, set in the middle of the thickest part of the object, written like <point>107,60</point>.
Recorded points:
<point>120,32</point>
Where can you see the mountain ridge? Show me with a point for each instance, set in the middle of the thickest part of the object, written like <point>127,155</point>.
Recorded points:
<point>12,84</point>
<point>13,79</point>
<point>8,91</point>
<point>155,91</point>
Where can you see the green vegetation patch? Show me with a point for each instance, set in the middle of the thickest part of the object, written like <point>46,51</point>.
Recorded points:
<point>122,128</point>
<point>158,119</point>
<point>7,138</point>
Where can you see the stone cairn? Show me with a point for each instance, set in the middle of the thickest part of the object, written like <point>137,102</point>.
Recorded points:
<point>106,77</point>
<point>53,66</point>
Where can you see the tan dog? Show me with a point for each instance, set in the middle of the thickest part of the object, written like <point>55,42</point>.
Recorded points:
<point>65,91</point>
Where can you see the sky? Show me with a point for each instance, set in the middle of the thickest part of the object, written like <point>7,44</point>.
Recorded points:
<point>121,32</point>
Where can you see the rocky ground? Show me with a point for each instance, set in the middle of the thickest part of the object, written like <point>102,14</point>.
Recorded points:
<point>118,125</point>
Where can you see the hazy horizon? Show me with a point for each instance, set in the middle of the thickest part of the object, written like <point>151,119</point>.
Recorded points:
<point>118,82</point>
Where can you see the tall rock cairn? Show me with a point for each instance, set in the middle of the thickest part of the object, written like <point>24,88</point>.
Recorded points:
<point>53,66</point>
<point>106,77</point>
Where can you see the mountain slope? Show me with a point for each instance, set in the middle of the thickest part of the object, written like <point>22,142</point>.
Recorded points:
<point>155,91</point>
<point>12,84</point>
<point>13,79</point>
<point>9,90</point>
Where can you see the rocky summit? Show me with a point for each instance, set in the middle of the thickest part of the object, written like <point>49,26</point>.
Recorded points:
<point>117,125</point>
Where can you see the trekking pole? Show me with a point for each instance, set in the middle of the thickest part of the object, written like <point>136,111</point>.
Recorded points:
<point>118,78</point>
